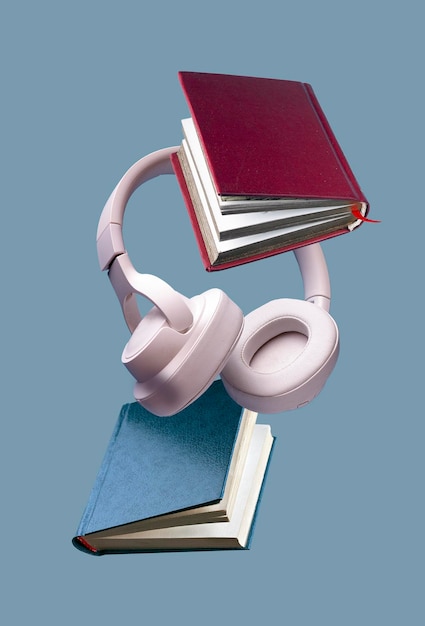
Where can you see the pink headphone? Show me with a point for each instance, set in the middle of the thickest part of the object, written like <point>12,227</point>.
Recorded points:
<point>275,359</point>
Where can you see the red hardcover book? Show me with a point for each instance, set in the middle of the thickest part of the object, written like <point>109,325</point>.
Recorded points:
<point>260,169</point>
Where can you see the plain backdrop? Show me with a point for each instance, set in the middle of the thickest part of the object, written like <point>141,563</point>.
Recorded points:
<point>87,88</point>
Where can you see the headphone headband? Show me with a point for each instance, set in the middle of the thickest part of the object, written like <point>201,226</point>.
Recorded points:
<point>113,256</point>
<point>109,237</point>
<point>127,281</point>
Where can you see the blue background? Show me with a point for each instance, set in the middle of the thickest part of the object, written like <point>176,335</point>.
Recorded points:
<point>88,88</point>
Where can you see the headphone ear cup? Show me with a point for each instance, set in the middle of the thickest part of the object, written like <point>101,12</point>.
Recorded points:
<point>285,353</point>
<point>174,368</point>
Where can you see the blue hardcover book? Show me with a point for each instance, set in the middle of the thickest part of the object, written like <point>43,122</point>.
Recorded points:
<point>189,481</point>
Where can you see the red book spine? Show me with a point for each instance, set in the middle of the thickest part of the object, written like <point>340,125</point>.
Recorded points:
<point>336,147</point>
<point>82,544</point>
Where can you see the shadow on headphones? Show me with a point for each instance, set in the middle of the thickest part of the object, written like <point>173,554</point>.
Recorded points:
<point>276,358</point>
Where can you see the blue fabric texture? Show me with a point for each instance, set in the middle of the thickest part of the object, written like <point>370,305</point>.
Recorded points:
<point>157,465</point>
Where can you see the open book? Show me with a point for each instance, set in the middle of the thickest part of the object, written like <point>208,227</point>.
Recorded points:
<point>260,169</point>
<point>186,482</point>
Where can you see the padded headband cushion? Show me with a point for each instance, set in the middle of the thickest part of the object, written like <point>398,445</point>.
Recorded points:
<point>285,346</point>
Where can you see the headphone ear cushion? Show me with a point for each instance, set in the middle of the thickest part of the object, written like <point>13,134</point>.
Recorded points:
<point>174,368</point>
<point>284,356</point>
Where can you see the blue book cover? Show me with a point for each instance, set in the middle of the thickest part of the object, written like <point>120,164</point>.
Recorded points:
<point>157,466</point>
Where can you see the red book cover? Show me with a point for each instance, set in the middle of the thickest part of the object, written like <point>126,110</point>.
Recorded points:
<point>267,137</point>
